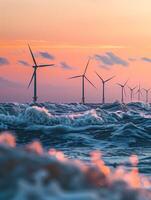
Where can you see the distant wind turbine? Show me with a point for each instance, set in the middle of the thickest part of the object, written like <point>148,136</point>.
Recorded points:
<point>34,76</point>
<point>104,82</point>
<point>147,93</point>
<point>123,90</point>
<point>139,92</point>
<point>132,92</point>
<point>83,76</point>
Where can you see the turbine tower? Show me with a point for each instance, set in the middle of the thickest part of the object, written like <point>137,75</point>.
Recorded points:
<point>147,93</point>
<point>103,83</point>
<point>132,92</point>
<point>34,76</point>
<point>139,92</point>
<point>123,90</point>
<point>83,77</point>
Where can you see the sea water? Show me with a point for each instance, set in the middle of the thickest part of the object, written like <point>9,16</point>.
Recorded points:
<point>72,132</point>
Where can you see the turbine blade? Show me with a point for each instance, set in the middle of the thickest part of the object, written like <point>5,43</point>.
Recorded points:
<point>120,84</point>
<point>31,78</point>
<point>87,66</point>
<point>141,93</point>
<point>137,92</point>
<point>99,77</point>
<point>89,81</point>
<point>110,79</point>
<point>45,65</point>
<point>139,87</point>
<point>130,88</point>
<point>32,55</point>
<point>75,77</point>
<point>147,90</point>
<point>126,82</point>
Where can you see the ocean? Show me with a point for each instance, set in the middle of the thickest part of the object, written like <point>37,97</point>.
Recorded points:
<point>74,151</point>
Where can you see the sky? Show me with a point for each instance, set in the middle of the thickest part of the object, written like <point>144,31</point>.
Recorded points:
<point>115,34</point>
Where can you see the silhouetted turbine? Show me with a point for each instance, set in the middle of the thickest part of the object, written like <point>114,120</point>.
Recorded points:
<point>139,92</point>
<point>123,90</point>
<point>103,87</point>
<point>34,76</point>
<point>132,92</point>
<point>147,93</point>
<point>83,76</point>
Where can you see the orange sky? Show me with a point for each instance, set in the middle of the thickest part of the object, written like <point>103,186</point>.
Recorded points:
<point>72,31</point>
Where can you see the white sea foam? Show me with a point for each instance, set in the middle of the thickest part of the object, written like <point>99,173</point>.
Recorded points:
<point>132,120</point>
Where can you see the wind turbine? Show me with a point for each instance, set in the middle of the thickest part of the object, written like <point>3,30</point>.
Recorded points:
<point>132,92</point>
<point>83,76</point>
<point>34,75</point>
<point>104,82</point>
<point>139,92</point>
<point>123,90</point>
<point>147,93</point>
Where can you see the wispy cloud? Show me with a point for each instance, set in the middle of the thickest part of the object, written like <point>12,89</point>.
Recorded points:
<point>105,67</point>
<point>74,46</point>
<point>45,44</point>
<point>46,55</point>
<point>145,59</point>
<point>22,62</point>
<point>4,61</point>
<point>132,59</point>
<point>7,83</point>
<point>110,59</point>
<point>66,66</point>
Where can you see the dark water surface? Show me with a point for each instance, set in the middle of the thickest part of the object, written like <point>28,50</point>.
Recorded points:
<point>117,130</point>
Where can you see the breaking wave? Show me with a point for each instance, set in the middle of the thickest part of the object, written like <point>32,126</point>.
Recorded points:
<point>127,119</point>
<point>115,129</point>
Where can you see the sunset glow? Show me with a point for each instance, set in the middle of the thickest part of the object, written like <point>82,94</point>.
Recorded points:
<point>66,33</point>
